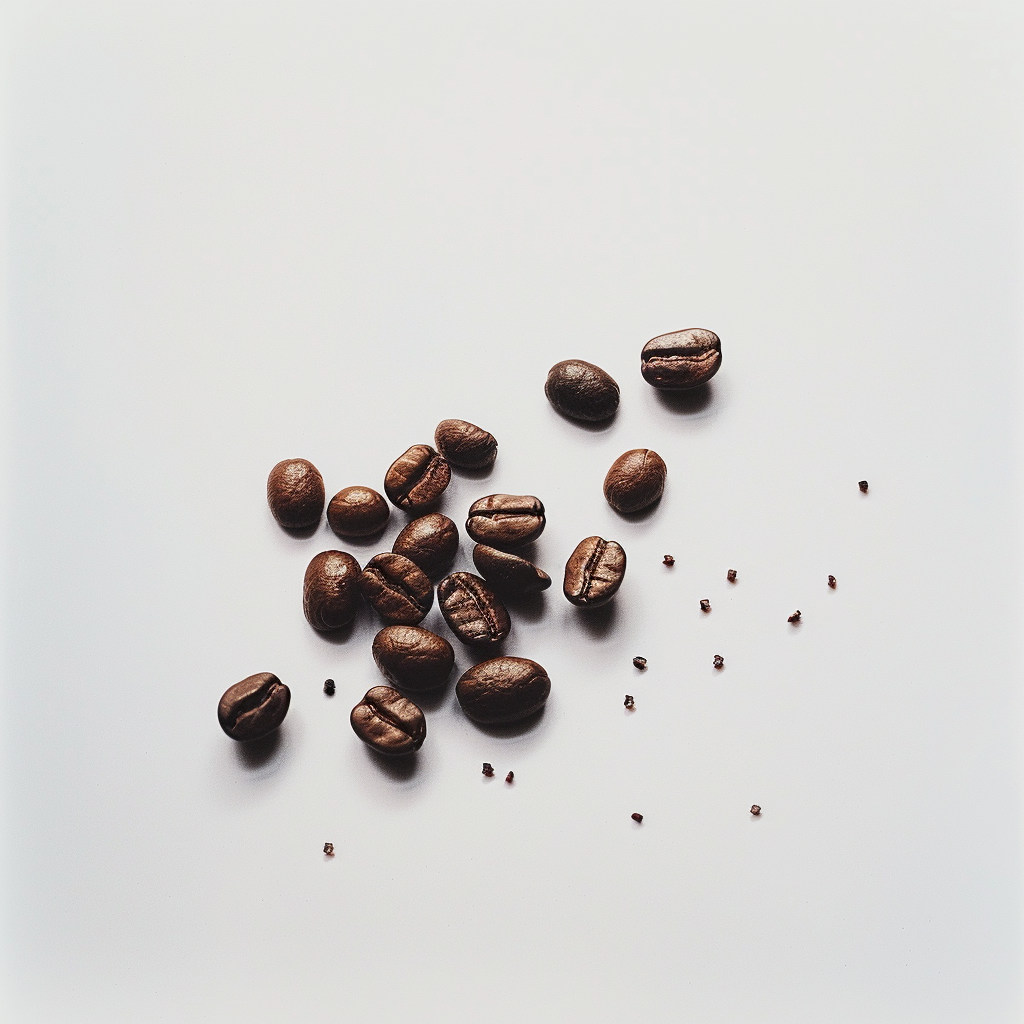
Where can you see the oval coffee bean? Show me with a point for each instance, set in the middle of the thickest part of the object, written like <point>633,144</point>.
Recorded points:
<point>636,480</point>
<point>295,493</point>
<point>506,520</point>
<point>430,541</point>
<point>412,658</point>
<point>581,390</point>
<point>253,708</point>
<point>417,478</point>
<point>396,588</point>
<point>594,572</point>
<point>682,359</point>
<point>330,590</point>
<point>358,512</point>
<point>472,610</point>
<point>465,445</point>
<point>509,572</point>
<point>503,690</point>
<point>389,722</point>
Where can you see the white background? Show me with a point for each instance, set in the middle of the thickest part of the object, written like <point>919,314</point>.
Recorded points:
<point>247,232</point>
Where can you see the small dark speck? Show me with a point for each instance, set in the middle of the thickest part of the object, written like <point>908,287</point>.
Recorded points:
<point>669,560</point>
<point>628,702</point>
<point>487,770</point>
<point>329,849</point>
<point>832,582</point>
<point>719,661</point>
<point>863,485</point>
<point>795,617</point>
<point>510,777</point>
<point>731,575</point>
<point>705,605</point>
<point>639,662</point>
<point>637,817</point>
<point>755,810</point>
<point>329,687</point>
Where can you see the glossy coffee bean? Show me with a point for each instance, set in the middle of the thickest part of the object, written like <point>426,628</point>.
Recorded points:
<point>330,590</point>
<point>581,390</point>
<point>412,658</point>
<point>417,478</point>
<point>506,520</point>
<point>358,512</point>
<point>430,541</point>
<point>635,480</point>
<point>682,359</point>
<point>594,572</point>
<point>473,611</point>
<point>465,445</point>
<point>396,588</point>
<point>503,690</point>
<point>253,708</point>
<point>295,494</point>
<point>389,722</point>
<point>510,573</point>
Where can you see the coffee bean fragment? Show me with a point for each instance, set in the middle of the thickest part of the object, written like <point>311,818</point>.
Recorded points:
<point>295,493</point>
<point>705,605</point>
<point>506,520</point>
<point>635,481</point>
<point>832,582</point>
<point>254,707</point>
<point>628,702</point>
<point>863,485</point>
<point>731,575</point>
<point>358,512</point>
<point>488,770</point>
<point>329,687</point>
<point>795,617</point>
<point>719,661</point>
<point>594,572</point>
<point>637,817</point>
<point>639,662</point>
<point>508,572</point>
<point>329,849</point>
<point>430,541</point>
<point>510,777</point>
<point>669,560</point>
<point>682,359</point>
<point>755,810</point>
<point>504,689</point>
<point>396,588</point>
<point>417,478</point>
<point>330,590</point>
<point>413,658</point>
<point>474,613</point>
<point>465,445</point>
<point>388,722</point>
<point>581,390</point>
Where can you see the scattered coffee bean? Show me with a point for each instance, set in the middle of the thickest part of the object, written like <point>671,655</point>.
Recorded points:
<point>755,810</point>
<point>863,485</point>
<point>637,817</point>
<point>731,575</point>
<point>295,493</point>
<point>330,590</point>
<point>388,722</point>
<point>417,478</point>
<point>581,390</point>
<point>329,849</point>
<point>488,770</point>
<point>465,445</point>
<point>682,359</point>
<point>503,690</point>
<point>329,687</point>
<point>506,520</point>
<point>594,572</point>
<point>832,582</point>
<point>412,658</point>
<point>705,605</point>
<point>795,617</point>
<point>254,707</point>
<point>396,588</point>
<point>474,613</point>
<point>719,661</point>
<point>430,541</point>
<point>510,777</point>
<point>358,512</point>
<point>669,560</point>
<point>639,662</point>
<point>635,481</point>
<point>508,572</point>
<point>628,702</point>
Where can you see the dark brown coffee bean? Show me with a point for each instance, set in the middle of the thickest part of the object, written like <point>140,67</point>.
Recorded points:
<point>430,541</point>
<point>417,478</point>
<point>506,520</point>
<point>465,445</point>
<point>795,617</point>
<point>582,390</point>
<point>295,493</point>
<point>396,588</point>
<point>330,590</point>
<point>637,817</point>
<point>682,359</point>
<point>503,690</point>
<point>472,610</point>
<point>329,849</point>
<point>755,810</point>
<point>594,572</point>
<point>863,485</point>
<point>389,722</point>
<point>669,560</point>
<point>358,512</point>
<point>639,662</point>
<point>832,582</point>
<point>705,605</point>
<point>508,572</point>
<point>412,658</point>
<point>635,481</point>
<point>731,575</point>
<point>253,708</point>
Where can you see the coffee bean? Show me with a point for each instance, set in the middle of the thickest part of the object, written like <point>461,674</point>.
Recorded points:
<point>682,359</point>
<point>594,572</point>
<point>635,481</point>
<point>417,478</point>
<point>295,493</point>
<point>412,658</point>
<point>503,690</point>
<point>581,390</point>
<point>358,512</point>
<point>472,610</point>
<point>506,520</point>
<point>253,708</point>
<point>430,541</point>
<point>389,722</point>
<point>330,590</point>
<point>508,572</point>
<point>465,445</point>
<point>396,588</point>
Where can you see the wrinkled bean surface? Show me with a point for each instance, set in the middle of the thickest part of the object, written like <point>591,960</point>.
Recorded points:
<point>506,520</point>
<point>635,481</point>
<point>581,390</point>
<point>388,722</point>
<point>503,690</point>
<point>473,611</point>
<point>681,359</point>
<point>358,512</point>
<point>396,588</point>
<point>417,478</point>
<point>412,658</point>
<point>430,541</point>
<point>330,590</point>
<point>594,572</point>
<point>253,708</point>
<point>465,444</point>
<point>295,494</point>
<point>508,572</point>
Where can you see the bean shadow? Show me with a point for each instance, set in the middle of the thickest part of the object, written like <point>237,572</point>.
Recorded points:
<point>642,514</point>
<point>302,532</point>
<point>398,769</point>
<point>528,607</point>
<point>257,754</point>
<point>338,636</point>
<point>591,426</point>
<point>510,730</point>
<point>430,700</point>
<point>688,402</point>
<point>473,474</point>
<point>598,622</point>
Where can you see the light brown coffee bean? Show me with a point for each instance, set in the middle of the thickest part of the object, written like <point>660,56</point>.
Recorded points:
<point>430,541</point>
<point>472,610</point>
<point>295,494</point>
<point>396,588</point>
<point>506,520</point>
<point>358,512</point>
<point>465,445</point>
<point>681,359</point>
<point>417,478</point>
<point>635,481</point>
<point>330,590</point>
<point>594,572</point>
<point>388,722</point>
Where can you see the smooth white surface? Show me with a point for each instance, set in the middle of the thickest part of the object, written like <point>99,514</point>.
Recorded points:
<point>242,233</point>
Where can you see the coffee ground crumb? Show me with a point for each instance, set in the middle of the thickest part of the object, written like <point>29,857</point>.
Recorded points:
<point>719,661</point>
<point>639,662</point>
<point>637,817</point>
<point>832,582</point>
<point>705,605</point>
<point>329,849</point>
<point>487,770</point>
<point>731,575</point>
<point>755,810</point>
<point>329,687</point>
<point>863,485</point>
<point>628,702</point>
<point>795,617</point>
<point>669,560</point>
<point>510,777</point>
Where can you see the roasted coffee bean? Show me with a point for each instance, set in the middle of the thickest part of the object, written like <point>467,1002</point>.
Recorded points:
<point>389,722</point>
<point>417,478</point>
<point>253,708</point>
<point>430,541</point>
<point>396,588</point>
<point>465,445</point>
<point>358,512</point>
<point>682,359</point>
<point>508,572</point>
<point>295,493</point>
<point>637,817</point>
<point>503,690</point>
<point>635,481</point>
<point>594,572</point>
<point>581,390</point>
<point>863,485</point>
<point>330,590</point>
<point>472,610</point>
<point>832,582</point>
<point>506,520</point>
<point>412,658</point>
